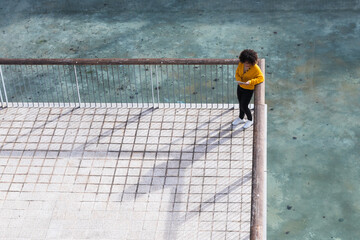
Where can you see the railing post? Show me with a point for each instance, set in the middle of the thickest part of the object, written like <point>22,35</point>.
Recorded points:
<point>3,83</point>
<point>1,98</point>
<point>77,86</point>
<point>258,193</point>
<point>157,85</point>
<point>152,86</point>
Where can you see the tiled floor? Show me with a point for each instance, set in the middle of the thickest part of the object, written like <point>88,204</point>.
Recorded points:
<point>124,174</point>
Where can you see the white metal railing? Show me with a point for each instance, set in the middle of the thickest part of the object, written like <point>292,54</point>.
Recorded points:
<point>119,82</point>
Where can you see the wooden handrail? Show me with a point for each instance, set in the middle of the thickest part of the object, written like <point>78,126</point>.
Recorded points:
<point>117,61</point>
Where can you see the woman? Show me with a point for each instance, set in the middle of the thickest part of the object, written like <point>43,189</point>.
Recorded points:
<point>248,74</point>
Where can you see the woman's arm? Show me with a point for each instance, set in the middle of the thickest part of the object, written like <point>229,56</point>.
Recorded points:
<point>237,73</point>
<point>259,78</point>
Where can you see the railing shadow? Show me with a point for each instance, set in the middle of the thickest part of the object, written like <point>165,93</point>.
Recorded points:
<point>214,139</point>
<point>224,135</point>
<point>109,132</point>
<point>39,127</point>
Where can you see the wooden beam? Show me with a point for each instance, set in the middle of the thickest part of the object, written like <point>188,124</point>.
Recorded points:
<point>258,193</point>
<point>118,61</point>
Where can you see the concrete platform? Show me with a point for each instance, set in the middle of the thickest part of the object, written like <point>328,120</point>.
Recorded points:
<point>124,174</point>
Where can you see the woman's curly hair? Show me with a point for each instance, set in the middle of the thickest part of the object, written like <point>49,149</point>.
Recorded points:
<point>249,56</point>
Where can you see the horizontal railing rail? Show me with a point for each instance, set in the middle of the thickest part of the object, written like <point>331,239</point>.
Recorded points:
<point>118,61</point>
<point>117,82</point>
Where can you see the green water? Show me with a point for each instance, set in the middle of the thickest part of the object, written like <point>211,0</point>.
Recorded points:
<point>312,53</point>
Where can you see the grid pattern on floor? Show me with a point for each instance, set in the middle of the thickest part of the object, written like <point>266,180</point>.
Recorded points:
<point>124,174</point>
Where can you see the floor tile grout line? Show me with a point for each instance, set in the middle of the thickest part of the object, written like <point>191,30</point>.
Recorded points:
<point>13,177</point>
<point>203,170</point>
<point>170,206</point>
<point>128,167</point>
<point>165,177</point>
<point>7,134</point>
<point>57,157</point>
<point>132,153</point>
<point>81,157</point>
<point>242,173</point>
<point>84,150</point>
<point>116,167</point>
<point>55,161</point>
<point>192,165</point>
<point>40,134</point>
<point>100,136</point>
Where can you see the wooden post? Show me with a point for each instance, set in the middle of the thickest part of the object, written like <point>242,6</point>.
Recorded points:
<point>258,193</point>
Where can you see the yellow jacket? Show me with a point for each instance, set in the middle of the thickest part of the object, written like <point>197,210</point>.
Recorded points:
<point>254,74</point>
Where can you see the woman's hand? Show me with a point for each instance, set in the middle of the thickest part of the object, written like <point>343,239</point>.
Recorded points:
<point>244,83</point>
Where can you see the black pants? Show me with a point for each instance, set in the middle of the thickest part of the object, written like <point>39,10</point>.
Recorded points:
<point>244,97</point>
